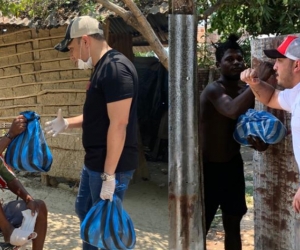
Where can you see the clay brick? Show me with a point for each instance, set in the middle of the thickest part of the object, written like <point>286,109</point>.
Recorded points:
<point>55,41</point>
<point>49,76</point>
<point>25,35</point>
<point>26,90</point>
<point>28,78</point>
<point>10,39</point>
<point>66,64</point>
<point>18,110</point>
<point>64,85</point>
<point>7,112</point>
<point>81,73</point>
<point>43,33</point>
<point>27,68</point>
<point>24,47</point>
<point>26,57</point>
<point>67,74</point>
<point>54,109</point>
<point>50,65</point>
<point>78,98</point>
<point>10,81</point>
<point>4,103</point>
<point>28,100</point>
<point>73,110</point>
<point>4,93</point>
<point>13,60</point>
<point>54,98</point>
<point>48,54</point>
<point>3,61</point>
<point>61,30</point>
<point>49,86</point>
<point>81,84</point>
<point>43,44</point>
<point>9,50</point>
<point>61,54</point>
<point>11,71</point>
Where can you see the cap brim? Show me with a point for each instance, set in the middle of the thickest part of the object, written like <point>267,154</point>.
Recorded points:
<point>273,53</point>
<point>63,45</point>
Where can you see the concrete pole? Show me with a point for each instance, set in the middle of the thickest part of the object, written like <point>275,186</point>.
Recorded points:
<point>185,174</point>
<point>276,225</point>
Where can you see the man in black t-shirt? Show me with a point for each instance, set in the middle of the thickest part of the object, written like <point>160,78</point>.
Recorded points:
<point>109,120</point>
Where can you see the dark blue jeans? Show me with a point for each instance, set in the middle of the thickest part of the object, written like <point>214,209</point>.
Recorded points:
<point>13,212</point>
<point>89,193</point>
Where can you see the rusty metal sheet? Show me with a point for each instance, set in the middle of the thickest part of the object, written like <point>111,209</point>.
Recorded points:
<point>185,193</point>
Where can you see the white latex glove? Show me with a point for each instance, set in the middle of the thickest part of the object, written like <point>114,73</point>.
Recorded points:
<point>56,126</point>
<point>108,189</point>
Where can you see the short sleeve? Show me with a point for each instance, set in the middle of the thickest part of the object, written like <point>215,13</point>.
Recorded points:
<point>285,99</point>
<point>119,83</point>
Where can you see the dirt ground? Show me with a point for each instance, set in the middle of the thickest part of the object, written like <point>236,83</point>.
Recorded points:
<point>145,201</point>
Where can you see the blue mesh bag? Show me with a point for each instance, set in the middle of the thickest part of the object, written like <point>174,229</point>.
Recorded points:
<point>108,226</point>
<point>261,124</point>
<point>29,150</point>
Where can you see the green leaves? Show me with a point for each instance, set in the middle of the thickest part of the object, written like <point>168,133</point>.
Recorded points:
<point>255,17</point>
<point>42,8</point>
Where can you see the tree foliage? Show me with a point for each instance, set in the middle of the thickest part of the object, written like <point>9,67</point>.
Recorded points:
<point>40,9</point>
<point>254,17</point>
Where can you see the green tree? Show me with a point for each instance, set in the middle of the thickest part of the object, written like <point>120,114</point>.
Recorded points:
<point>254,17</point>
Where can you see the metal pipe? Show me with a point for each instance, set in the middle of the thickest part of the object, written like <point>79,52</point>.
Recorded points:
<point>185,188</point>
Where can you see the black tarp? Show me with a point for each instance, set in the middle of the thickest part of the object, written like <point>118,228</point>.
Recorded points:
<point>152,97</point>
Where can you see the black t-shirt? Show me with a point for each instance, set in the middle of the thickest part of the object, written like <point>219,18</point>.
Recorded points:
<point>114,79</point>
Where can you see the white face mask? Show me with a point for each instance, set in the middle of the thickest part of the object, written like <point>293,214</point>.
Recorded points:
<point>85,65</point>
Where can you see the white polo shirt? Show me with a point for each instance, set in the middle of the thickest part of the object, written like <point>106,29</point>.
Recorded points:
<point>289,100</point>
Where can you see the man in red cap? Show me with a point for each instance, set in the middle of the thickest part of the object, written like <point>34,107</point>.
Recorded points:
<point>287,67</point>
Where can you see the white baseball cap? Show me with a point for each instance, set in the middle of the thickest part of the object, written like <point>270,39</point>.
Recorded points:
<point>78,27</point>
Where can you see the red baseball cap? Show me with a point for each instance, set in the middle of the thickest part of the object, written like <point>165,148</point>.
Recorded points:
<point>289,48</point>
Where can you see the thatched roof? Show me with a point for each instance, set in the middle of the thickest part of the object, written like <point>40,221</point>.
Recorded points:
<point>53,16</point>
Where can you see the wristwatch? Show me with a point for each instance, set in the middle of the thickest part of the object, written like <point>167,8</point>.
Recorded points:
<point>8,136</point>
<point>107,177</point>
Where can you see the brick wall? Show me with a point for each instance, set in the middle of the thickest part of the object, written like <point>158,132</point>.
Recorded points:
<point>34,76</point>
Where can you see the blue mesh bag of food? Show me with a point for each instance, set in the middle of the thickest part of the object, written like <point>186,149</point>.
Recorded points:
<point>261,124</point>
<point>29,150</point>
<point>108,226</point>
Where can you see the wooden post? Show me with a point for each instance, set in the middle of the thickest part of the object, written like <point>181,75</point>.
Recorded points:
<point>122,43</point>
<point>276,225</point>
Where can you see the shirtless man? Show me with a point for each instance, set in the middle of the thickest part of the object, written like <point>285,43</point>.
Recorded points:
<point>221,103</point>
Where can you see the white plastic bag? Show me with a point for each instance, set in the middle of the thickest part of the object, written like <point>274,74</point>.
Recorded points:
<point>28,224</point>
